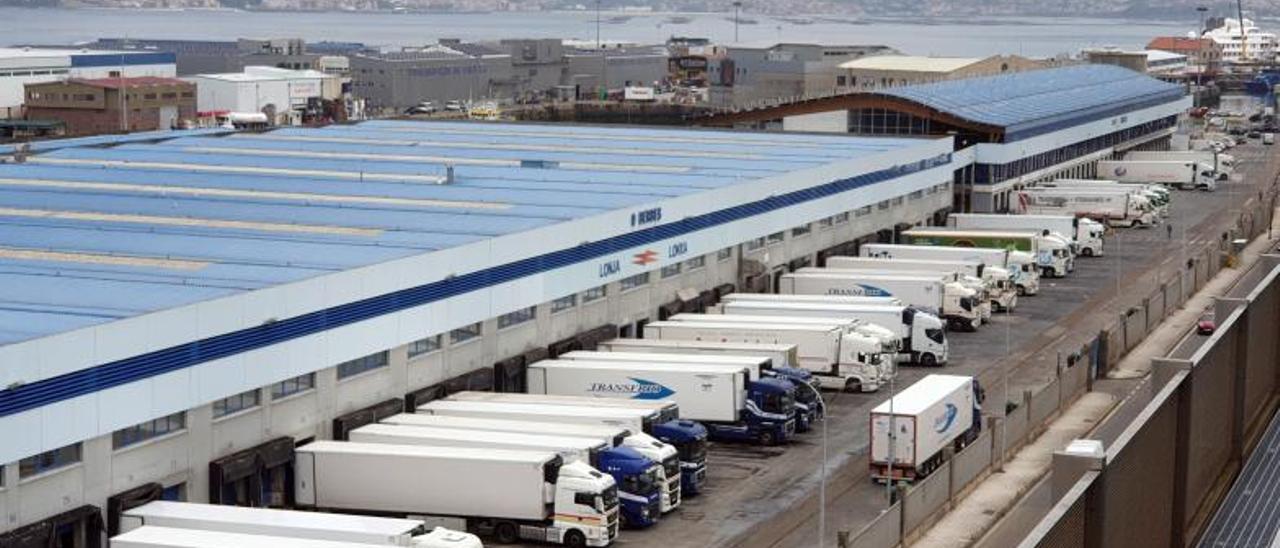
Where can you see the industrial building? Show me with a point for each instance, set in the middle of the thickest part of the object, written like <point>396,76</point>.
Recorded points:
<point>1010,130</point>
<point>886,71</point>
<point>394,80</point>
<point>753,73</point>
<point>181,310</point>
<point>284,95</point>
<point>210,56</point>
<point>22,66</point>
<point>92,106</point>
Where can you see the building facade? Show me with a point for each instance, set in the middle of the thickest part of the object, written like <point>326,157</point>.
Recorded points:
<point>887,71</point>
<point>284,95</point>
<point>616,68</point>
<point>1204,56</point>
<point>1243,43</point>
<point>400,79</point>
<point>749,74</point>
<point>22,66</point>
<point>113,105</point>
<point>209,56</point>
<point>423,288</point>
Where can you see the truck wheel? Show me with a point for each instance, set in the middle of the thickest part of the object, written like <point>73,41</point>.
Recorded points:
<point>575,539</point>
<point>506,533</point>
<point>852,385</point>
<point>928,360</point>
<point>1087,252</point>
<point>766,438</point>
<point>1022,290</point>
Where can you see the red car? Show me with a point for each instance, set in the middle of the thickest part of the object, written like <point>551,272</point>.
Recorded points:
<point>1206,327</point>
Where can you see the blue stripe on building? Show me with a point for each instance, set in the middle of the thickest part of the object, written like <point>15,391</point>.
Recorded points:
<point>125,59</point>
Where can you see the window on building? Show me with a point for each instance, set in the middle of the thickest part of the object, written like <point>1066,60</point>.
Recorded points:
<point>463,334</point>
<point>564,303</point>
<point>882,205</point>
<point>367,363</point>
<point>50,460</point>
<point>632,282</point>
<point>844,217</point>
<point>696,262</point>
<point>724,254</point>
<point>755,244</point>
<point>296,385</point>
<point>864,211</point>
<point>916,195</point>
<point>141,432</point>
<point>826,222</point>
<point>240,402</point>
<point>802,230</point>
<point>595,294</point>
<point>518,317</point>
<point>671,270</point>
<point>425,346</point>
<point>840,81</point>
<point>777,238</point>
<point>149,96</point>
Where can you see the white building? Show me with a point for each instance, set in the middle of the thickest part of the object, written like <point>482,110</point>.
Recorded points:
<point>286,287</point>
<point>281,93</point>
<point>1247,45</point>
<point>1165,63</point>
<point>21,66</point>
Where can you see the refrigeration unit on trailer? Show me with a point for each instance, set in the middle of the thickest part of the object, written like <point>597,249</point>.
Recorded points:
<point>722,397</point>
<point>1020,265</point>
<point>381,531</point>
<point>511,495</point>
<point>630,470</point>
<point>956,303</point>
<point>996,280</point>
<point>923,335</point>
<point>1185,175</point>
<point>1223,164</point>
<point>154,536</point>
<point>663,423</point>
<point>911,429</point>
<point>1085,233</point>
<point>804,382</point>
<point>1053,255</point>
<point>841,360</point>
<point>1119,209</point>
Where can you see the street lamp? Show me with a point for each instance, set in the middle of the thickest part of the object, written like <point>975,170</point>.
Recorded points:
<point>822,486</point>
<point>736,7</point>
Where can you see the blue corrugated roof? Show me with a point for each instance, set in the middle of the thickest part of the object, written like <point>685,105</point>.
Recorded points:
<point>1035,102</point>
<point>94,230</point>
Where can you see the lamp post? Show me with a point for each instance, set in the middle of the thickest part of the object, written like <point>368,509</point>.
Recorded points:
<point>822,485</point>
<point>736,7</point>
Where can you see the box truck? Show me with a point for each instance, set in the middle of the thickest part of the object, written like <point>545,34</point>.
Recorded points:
<point>722,397</point>
<point>911,429</point>
<point>511,495</point>
<point>628,467</point>
<point>1020,265</point>
<point>674,433</point>
<point>951,301</point>
<point>1001,293</point>
<point>841,360</point>
<point>951,276</point>
<point>371,530</point>
<point>1159,197</point>
<point>1085,233</point>
<point>805,384</point>
<point>153,536</point>
<point>1184,175</point>
<point>923,335</point>
<point>1223,164</point>
<point>1053,255</point>
<point>1124,209</point>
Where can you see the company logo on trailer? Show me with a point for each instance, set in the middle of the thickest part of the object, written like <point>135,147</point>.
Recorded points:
<point>645,257</point>
<point>1120,171</point>
<point>861,290</point>
<point>639,389</point>
<point>943,423</point>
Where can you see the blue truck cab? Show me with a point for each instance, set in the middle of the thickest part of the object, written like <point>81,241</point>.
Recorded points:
<point>808,408</point>
<point>769,416</point>
<point>638,485</point>
<point>690,440</point>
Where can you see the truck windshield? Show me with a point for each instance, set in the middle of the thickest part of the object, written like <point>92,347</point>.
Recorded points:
<point>671,466</point>
<point>779,403</point>
<point>608,499</point>
<point>694,451</point>
<point>935,335</point>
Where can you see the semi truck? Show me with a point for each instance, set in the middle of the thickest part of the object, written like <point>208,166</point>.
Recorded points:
<point>1085,233</point>
<point>1053,255</point>
<point>381,531</point>
<point>154,536</point>
<point>923,335</point>
<point>661,424</point>
<point>911,429</point>
<point>982,289</point>
<point>1158,196</point>
<point>1223,164</point>
<point>511,495</point>
<point>877,339</point>
<point>1119,209</point>
<point>839,359</point>
<point>955,303</point>
<point>721,397</point>
<point>806,385</point>
<point>1020,265</point>
<point>1184,174</point>
<point>1001,293</point>
<point>628,467</point>
<point>780,355</point>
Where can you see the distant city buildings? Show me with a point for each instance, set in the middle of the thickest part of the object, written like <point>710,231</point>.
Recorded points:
<point>748,74</point>
<point>1158,63</point>
<point>1203,55</point>
<point>22,66</point>
<point>1243,43</point>
<point>92,106</point>
<point>887,71</point>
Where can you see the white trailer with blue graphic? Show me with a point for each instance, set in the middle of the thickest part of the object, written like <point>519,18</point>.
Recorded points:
<point>911,429</point>
<point>724,398</point>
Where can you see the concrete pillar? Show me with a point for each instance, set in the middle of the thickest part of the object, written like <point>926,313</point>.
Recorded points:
<point>1070,463</point>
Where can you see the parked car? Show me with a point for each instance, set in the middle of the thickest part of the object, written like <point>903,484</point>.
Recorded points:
<point>1268,138</point>
<point>425,107</point>
<point>454,106</point>
<point>1255,135</point>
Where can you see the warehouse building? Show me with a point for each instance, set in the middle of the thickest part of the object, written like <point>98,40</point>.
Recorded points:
<point>22,66</point>
<point>1010,130</point>
<point>180,313</point>
<point>91,106</point>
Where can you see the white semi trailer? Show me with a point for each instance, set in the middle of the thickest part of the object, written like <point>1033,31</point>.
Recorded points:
<point>982,289</point>
<point>999,287</point>
<point>381,531</point>
<point>780,355</point>
<point>1086,233</point>
<point>1222,163</point>
<point>1158,196</point>
<point>1020,264</point>
<point>153,536</point>
<point>911,429</point>
<point>513,495</point>
<point>1182,174</point>
<point>876,338</point>
<point>950,300</point>
<point>1116,209</point>
<point>1053,254</point>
